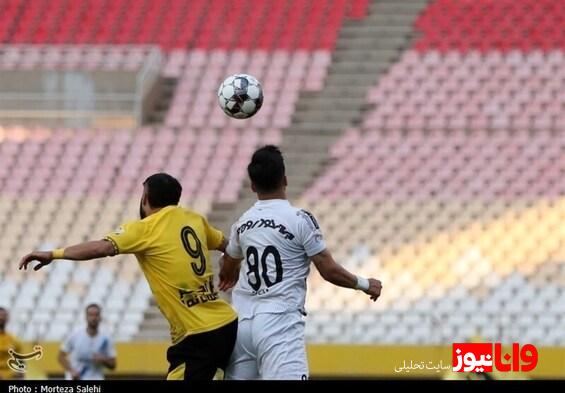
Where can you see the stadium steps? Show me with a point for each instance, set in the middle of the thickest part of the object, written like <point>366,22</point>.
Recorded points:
<point>223,215</point>
<point>375,56</point>
<point>356,68</point>
<point>362,53</point>
<point>352,31</point>
<point>364,50</point>
<point>380,42</point>
<point>154,325</point>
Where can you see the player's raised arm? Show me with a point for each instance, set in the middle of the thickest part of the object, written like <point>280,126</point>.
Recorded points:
<point>338,275</point>
<point>80,252</point>
<point>127,239</point>
<point>311,238</point>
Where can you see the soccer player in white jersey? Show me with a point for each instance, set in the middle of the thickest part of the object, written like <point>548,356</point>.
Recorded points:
<point>276,242</point>
<point>87,352</point>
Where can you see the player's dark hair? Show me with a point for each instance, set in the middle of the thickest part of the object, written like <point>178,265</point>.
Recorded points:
<point>266,169</point>
<point>162,190</point>
<point>93,305</point>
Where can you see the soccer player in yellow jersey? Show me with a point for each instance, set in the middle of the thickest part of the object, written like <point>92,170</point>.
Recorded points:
<point>7,342</point>
<point>172,246</point>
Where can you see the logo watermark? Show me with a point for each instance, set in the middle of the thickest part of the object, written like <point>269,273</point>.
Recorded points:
<point>17,361</point>
<point>479,357</point>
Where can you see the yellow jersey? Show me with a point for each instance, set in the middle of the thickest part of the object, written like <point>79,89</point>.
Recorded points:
<point>172,247</point>
<point>7,342</point>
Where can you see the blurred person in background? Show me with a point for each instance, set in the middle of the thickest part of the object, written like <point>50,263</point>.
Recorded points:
<point>7,342</point>
<point>86,353</point>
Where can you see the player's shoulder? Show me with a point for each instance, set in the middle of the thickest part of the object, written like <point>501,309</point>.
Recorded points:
<point>131,225</point>
<point>128,224</point>
<point>104,334</point>
<point>175,214</point>
<point>250,213</point>
<point>77,333</point>
<point>188,214</point>
<point>305,217</point>
<point>185,210</point>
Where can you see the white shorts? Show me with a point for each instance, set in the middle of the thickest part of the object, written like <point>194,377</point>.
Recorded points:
<point>269,346</point>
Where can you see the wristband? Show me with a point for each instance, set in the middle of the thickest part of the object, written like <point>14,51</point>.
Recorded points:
<point>362,284</point>
<point>58,253</point>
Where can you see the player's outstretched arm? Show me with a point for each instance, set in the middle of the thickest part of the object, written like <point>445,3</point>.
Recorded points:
<point>338,275</point>
<point>80,252</point>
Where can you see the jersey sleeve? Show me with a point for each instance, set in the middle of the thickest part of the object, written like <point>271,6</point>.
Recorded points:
<point>309,234</point>
<point>109,348</point>
<point>234,248</point>
<point>129,238</point>
<point>67,345</point>
<point>214,236</point>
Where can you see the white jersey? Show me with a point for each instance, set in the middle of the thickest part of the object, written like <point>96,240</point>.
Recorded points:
<point>81,346</point>
<point>275,241</point>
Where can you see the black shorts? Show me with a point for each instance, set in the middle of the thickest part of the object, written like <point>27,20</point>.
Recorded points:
<point>199,356</point>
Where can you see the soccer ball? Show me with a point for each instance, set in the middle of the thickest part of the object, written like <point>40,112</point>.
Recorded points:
<point>240,96</point>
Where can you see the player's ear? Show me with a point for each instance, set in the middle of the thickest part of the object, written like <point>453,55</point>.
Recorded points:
<point>285,181</point>
<point>253,187</point>
<point>144,199</point>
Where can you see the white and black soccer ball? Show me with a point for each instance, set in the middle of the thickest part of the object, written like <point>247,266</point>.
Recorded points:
<point>240,96</point>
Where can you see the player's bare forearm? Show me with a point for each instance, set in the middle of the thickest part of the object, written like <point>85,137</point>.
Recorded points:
<point>332,272</point>
<point>338,275</point>
<point>62,358</point>
<point>64,362</point>
<point>89,250</point>
<point>110,363</point>
<point>342,278</point>
<point>80,252</point>
<point>105,361</point>
<point>229,272</point>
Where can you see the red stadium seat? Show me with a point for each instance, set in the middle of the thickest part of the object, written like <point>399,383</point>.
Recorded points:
<point>178,23</point>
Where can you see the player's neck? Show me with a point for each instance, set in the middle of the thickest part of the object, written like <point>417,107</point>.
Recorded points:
<point>92,331</point>
<point>154,210</point>
<point>272,195</point>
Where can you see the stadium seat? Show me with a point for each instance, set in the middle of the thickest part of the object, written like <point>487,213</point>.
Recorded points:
<point>471,206</point>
